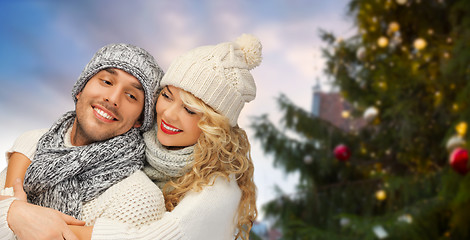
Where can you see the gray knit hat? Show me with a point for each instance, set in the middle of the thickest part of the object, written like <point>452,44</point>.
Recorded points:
<point>135,61</point>
<point>219,75</point>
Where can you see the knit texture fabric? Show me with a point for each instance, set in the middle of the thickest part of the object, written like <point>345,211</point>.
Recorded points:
<point>214,206</point>
<point>133,60</point>
<point>62,178</point>
<point>162,164</point>
<point>219,75</point>
<point>135,201</point>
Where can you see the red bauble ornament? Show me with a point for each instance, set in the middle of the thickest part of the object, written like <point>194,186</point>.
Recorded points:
<point>342,152</point>
<point>459,160</point>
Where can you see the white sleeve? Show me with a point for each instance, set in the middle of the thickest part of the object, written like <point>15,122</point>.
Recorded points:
<point>26,143</point>
<point>5,231</point>
<point>208,214</point>
<point>136,201</point>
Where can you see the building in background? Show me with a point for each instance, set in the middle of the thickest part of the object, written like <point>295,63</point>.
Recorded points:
<point>333,108</point>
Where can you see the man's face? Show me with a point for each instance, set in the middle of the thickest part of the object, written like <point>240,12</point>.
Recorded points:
<point>109,105</point>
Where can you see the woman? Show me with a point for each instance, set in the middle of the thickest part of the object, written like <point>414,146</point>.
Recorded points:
<point>196,150</point>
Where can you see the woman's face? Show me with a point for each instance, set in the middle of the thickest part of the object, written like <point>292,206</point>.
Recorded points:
<point>176,123</point>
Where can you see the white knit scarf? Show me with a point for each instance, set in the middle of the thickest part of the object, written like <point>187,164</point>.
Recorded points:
<point>163,164</point>
<point>63,177</point>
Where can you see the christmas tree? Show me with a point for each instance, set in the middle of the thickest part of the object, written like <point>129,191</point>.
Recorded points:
<point>405,76</point>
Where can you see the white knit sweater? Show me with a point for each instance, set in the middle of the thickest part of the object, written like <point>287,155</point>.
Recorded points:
<point>208,214</point>
<point>136,200</point>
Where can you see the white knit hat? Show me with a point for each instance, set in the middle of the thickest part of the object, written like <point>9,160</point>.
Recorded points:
<point>219,74</point>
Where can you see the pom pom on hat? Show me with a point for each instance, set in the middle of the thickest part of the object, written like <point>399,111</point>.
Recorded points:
<point>219,75</point>
<point>251,46</point>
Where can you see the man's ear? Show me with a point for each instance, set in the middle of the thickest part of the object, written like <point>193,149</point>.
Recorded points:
<point>140,121</point>
<point>138,124</point>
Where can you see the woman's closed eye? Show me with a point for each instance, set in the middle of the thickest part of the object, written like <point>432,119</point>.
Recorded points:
<point>165,95</point>
<point>189,111</point>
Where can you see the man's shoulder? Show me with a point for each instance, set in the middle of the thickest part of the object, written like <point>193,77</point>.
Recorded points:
<point>27,143</point>
<point>34,133</point>
<point>31,135</point>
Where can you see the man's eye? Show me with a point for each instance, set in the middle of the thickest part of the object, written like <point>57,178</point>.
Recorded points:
<point>132,96</point>
<point>106,82</point>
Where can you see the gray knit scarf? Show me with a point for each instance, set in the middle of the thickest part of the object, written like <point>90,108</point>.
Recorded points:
<point>63,177</point>
<point>162,164</point>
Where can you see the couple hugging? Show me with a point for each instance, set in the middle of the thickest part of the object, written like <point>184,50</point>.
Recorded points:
<point>144,155</point>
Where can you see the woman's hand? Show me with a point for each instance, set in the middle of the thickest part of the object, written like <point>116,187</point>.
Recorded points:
<point>29,221</point>
<point>82,232</point>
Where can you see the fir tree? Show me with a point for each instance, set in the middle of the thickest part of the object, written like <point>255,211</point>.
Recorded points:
<point>409,61</point>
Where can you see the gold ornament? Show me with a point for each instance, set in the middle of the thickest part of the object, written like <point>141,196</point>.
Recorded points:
<point>420,44</point>
<point>383,85</point>
<point>461,128</point>
<point>382,42</point>
<point>393,27</point>
<point>378,167</point>
<point>363,150</point>
<point>401,2</point>
<point>381,195</point>
<point>345,114</point>
<point>437,98</point>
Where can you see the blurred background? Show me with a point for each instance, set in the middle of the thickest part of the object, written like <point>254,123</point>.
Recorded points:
<point>359,125</point>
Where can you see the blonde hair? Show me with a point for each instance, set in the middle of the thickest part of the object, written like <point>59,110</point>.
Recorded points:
<point>220,151</point>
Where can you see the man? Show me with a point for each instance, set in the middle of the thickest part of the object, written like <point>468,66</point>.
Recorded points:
<point>90,149</point>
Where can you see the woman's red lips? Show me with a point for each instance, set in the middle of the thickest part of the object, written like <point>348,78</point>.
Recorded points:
<point>169,129</point>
